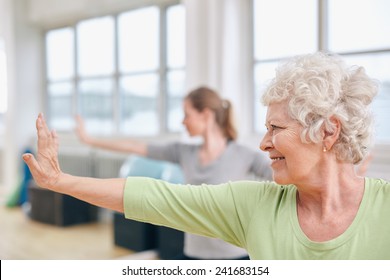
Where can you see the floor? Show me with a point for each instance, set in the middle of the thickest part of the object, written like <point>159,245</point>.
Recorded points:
<point>24,239</point>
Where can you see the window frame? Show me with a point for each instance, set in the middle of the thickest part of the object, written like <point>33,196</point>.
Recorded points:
<point>162,71</point>
<point>322,45</point>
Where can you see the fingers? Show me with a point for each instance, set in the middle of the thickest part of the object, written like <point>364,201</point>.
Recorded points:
<point>42,130</point>
<point>31,163</point>
<point>45,167</point>
<point>55,139</point>
<point>47,140</point>
<point>41,124</point>
<point>80,129</point>
<point>79,121</point>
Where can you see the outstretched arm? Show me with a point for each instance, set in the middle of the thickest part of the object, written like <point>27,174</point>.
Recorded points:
<point>127,146</point>
<point>46,171</point>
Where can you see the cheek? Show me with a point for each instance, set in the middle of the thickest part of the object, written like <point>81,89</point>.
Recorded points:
<point>193,125</point>
<point>282,143</point>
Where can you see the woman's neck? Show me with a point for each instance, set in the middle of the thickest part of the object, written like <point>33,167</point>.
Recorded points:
<point>213,146</point>
<point>326,209</point>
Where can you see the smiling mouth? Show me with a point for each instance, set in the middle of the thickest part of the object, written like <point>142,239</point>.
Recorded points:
<point>277,158</point>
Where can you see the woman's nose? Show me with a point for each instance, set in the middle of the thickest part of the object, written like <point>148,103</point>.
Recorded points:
<point>266,142</point>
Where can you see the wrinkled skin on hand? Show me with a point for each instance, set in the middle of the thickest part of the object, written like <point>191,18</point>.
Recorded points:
<point>45,168</point>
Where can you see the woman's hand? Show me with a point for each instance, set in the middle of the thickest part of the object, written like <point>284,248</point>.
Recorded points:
<point>81,131</point>
<point>45,168</point>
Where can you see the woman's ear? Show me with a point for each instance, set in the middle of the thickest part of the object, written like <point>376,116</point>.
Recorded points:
<point>331,134</point>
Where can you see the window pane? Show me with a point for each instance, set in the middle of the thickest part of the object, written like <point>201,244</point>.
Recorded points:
<point>139,40</point>
<point>60,54</point>
<point>139,113</point>
<point>359,25</point>
<point>60,105</point>
<point>377,66</point>
<point>176,80</point>
<point>284,27</point>
<point>95,46</point>
<point>264,72</point>
<point>95,103</point>
<point>176,36</point>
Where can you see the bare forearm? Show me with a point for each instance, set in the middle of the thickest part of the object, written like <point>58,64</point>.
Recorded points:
<point>106,193</point>
<point>126,146</point>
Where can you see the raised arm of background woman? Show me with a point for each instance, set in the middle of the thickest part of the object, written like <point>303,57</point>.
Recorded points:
<point>119,145</point>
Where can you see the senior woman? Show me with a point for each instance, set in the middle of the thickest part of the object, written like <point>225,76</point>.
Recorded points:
<point>318,127</point>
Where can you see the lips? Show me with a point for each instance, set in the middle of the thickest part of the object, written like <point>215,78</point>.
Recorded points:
<point>277,158</point>
<point>273,158</point>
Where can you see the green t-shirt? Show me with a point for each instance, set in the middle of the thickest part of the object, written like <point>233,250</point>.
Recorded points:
<point>260,217</point>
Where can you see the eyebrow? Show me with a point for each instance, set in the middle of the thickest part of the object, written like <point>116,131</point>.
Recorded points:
<point>275,122</point>
<point>280,122</point>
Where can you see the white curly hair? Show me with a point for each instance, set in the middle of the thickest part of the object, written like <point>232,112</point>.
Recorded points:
<point>320,86</point>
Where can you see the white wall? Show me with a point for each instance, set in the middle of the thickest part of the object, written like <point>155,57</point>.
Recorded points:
<point>6,33</point>
<point>23,50</point>
<point>219,53</point>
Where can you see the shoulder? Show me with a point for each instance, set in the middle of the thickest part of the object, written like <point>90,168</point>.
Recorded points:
<point>377,199</point>
<point>261,197</point>
<point>187,147</point>
<point>264,188</point>
<point>378,192</point>
<point>378,185</point>
<point>176,145</point>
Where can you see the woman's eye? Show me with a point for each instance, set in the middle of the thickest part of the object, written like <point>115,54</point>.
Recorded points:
<point>271,128</point>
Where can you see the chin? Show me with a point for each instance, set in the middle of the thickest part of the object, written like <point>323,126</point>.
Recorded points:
<point>281,180</point>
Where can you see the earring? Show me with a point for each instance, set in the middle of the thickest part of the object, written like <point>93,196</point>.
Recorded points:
<point>324,149</point>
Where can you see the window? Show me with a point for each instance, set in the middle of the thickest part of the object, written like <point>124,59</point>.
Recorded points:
<point>123,74</point>
<point>95,71</point>
<point>175,63</point>
<point>282,29</point>
<point>60,77</point>
<point>367,43</point>
<point>140,60</point>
